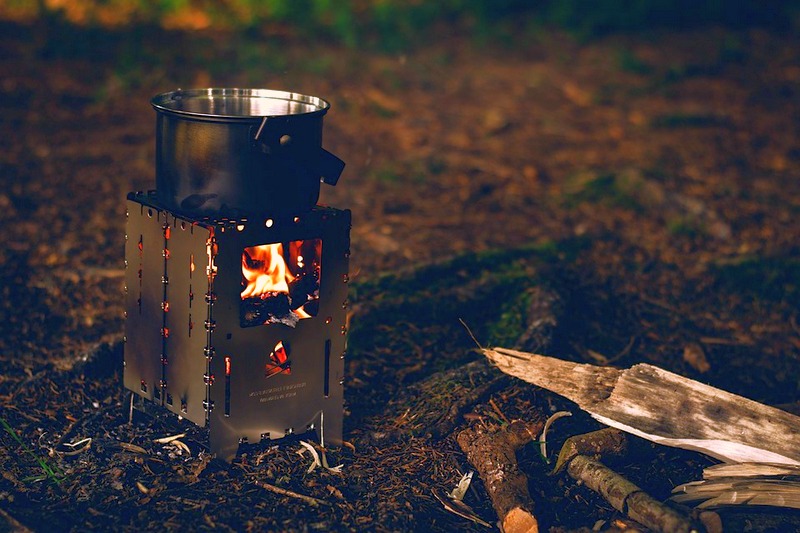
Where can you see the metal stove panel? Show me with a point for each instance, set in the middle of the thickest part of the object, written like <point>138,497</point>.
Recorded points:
<point>249,403</point>
<point>144,272</point>
<point>186,386</point>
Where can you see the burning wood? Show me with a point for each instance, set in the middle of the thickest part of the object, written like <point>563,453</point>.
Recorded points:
<point>280,283</point>
<point>665,408</point>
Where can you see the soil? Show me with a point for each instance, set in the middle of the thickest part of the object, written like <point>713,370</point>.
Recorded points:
<point>649,180</point>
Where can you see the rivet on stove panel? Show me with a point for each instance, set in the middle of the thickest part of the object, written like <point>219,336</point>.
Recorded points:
<point>343,355</point>
<point>165,280</point>
<point>125,289</point>
<point>310,427</point>
<point>165,253</point>
<point>208,379</point>
<point>169,399</point>
<point>346,278</point>
<point>162,384</point>
<point>143,386</point>
<point>126,237</point>
<point>240,227</point>
<point>341,381</point>
<point>165,332</point>
<point>184,406</point>
<point>345,304</point>
<point>211,298</point>
<point>265,436</point>
<point>328,320</point>
<point>347,254</point>
<point>269,223</point>
<point>165,306</point>
<point>344,330</point>
<point>208,405</point>
<point>288,431</point>
<point>210,325</point>
<point>124,314</point>
<point>164,360</point>
<point>209,352</point>
<point>243,440</point>
<point>126,263</point>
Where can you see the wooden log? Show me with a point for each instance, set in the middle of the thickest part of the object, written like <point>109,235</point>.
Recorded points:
<point>493,454</point>
<point>665,408</point>
<point>627,498</point>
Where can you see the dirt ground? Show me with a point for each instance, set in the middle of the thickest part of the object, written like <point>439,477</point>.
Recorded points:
<point>658,171</point>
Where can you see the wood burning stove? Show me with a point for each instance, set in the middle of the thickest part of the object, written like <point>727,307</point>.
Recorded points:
<point>236,317</point>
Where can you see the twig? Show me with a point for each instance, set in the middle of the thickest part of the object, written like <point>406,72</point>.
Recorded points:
<point>543,438</point>
<point>14,524</point>
<point>470,333</point>
<point>314,502</point>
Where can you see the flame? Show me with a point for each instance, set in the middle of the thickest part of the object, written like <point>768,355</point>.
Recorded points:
<point>264,270</point>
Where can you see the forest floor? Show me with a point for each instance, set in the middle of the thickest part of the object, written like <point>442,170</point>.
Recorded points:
<point>650,180</point>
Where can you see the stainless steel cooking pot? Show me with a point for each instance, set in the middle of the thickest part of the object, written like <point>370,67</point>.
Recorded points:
<point>241,151</point>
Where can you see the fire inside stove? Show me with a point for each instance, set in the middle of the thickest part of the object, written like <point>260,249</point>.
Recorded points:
<point>280,282</point>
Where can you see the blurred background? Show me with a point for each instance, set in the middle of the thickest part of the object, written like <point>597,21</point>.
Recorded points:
<point>650,147</point>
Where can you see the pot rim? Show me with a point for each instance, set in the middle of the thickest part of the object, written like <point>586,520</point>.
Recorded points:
<point>296,104</point>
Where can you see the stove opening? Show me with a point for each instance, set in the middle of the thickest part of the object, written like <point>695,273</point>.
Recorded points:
<point>280,282</point>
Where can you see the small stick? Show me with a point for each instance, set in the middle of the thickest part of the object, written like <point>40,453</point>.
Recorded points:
<point>314,502</point>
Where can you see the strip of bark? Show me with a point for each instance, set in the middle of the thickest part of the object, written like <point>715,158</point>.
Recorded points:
<point>493,454</point>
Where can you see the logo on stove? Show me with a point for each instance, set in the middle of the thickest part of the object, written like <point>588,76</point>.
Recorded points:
<point>278,361</point>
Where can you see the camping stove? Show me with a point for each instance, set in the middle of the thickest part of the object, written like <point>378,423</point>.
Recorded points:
<point>236,316</point>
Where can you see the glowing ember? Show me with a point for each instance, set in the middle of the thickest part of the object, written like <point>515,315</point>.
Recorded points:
<point>280,282</point>
<point>278,362</point>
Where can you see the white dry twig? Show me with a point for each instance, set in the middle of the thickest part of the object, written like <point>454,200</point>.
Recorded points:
<point>543,438</point>
<point>181,446</point>
<point>79,446</point>
<point>462,487</point>
<point>317,461</point>
<point>167,440</point>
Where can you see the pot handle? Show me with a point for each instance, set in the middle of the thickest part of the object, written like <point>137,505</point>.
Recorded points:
<point>327,166</point>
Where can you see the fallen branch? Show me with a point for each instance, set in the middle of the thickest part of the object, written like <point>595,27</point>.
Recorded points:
<point>626,497</point>
<point>493,454</point>
<point>665,408</point>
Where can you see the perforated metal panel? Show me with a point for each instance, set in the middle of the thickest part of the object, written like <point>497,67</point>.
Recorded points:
<point>186,341</point>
